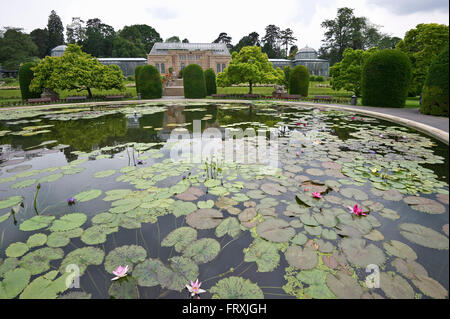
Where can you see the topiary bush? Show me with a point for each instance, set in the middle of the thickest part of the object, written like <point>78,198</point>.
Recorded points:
<point>299,80</point>
<point>385,79</point>
<point>25,77</point>
<point>210,82</point>
<point>194,82</point>
<point>149,82</point>
<point>435,89</point>
<point>136,73</point>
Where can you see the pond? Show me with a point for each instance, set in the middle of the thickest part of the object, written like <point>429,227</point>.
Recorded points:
<point>311,203</point>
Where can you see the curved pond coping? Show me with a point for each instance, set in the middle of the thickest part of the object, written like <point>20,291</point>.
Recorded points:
<point>424,128</point>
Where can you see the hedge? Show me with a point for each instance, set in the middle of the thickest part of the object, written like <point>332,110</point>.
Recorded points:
<point>136,73</point>
<point>435,89</point>
<point>385,79</point>
<point>25,77</point>
<point>299,80</point>
<point>148,81</point>
<point>210,81</point>
<point>194,82</point>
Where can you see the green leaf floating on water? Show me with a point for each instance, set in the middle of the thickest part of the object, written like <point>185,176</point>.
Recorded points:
<point>181,208</point>
<point>116,194</point>
<point>180,272</point>
<point>88,195</point>
<point>50,178</point>
<point>204,218</point>
<point>24,183</point>
<point>146,272</point>
<point>16,249</point>
<point>264,253</point>
<point>36,240</point>
<point>302,258</point>
<point>58,239</point>
<point>83,257</point>
<point>424,236</point>
<point>180,238</point>
<point>360,254</point>
<point>395,286</point>
<point>38,261</point>
<point>46,286</point>
<point>203,250</point>
<point>344,286</point>
<point>228,226</point>
<point>236,288</point>
<point>68,222</point>
<point>273,189</point>
<point>124,255</point>
<point>13,283</point>
<point>275,230</point>
<point>425,205</point>
<point>124,288</point>
<point>36,222</point>
<point>399,249</point>
<point>205,204</point>
<point>103,174</point>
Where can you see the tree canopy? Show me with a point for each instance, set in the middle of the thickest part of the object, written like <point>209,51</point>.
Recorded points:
<point>16,47</point>
<point>55,30</point>
<point>76,70</point>
<point>422,45</point>
<point>251,66</point>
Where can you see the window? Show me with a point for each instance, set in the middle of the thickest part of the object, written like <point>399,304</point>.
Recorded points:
<point>223,67</point>
<point>163,68</point>
<point>198,57</point>
<point>218,67</point>
<point>182,66</point>
<point>157,67</point>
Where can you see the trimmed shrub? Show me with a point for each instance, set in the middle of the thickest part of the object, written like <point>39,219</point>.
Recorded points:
<point>286,71</point>
<point>136,73</point>
<point>194,82</point>
<point>320,78</point>
<point>210,81</point>
<point>149,82</point>
<point>385,79</point>
<point>435,89</point>
<point>180,74</point>
<point>25,77</point>
<point>299,80</point>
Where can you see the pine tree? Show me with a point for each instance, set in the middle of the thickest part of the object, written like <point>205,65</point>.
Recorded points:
<point>55,30</point>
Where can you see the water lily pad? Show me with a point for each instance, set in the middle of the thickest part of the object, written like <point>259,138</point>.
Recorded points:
<point>68,222</point>
<point>24,183</point>
<point>146,272</point>
<point>236,288</point>
<point>374,235</point>
<point>275,230</point>
<point>319,292</point>
<point>302,258</point>
<point>36,222</point>
<point>299,239</point>
<point>430,287</point>
<point>360,254</point>
<point>46,286</point>
<point>228,226</point>
<point>124,255</point>
<point>256,194</point>
<point>36,240</point>
<point>38,261</point>
<point>83,257</point>
<point>88,195</point>
<point>180,238</point>
<point>344,286</point>
<point>264,253</point>
<point>106,173</point>
<point>50,178</point>
<point>409,268</point>
<point>423,236</point>
<point>58,239</point>
<point>116,194</point>
<point>193,193</point>
<point>204,218</point>
<point>424,205</point>
<point>181,271</point>
<point>125,288</point>
<point>205,204</point>
<point>203,250</point>
<point>273,189</point>
<point>13,283</point>
<point>399,249</point>
<point>389,213</point>
<point>354,193</point>
<point>395,286</point>
<point>95,235</point>
<point>16,249</point>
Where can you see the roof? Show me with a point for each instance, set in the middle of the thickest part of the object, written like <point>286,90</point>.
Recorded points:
<point>60,48</point>
<point>122,59</point>
<point>216,48</point>
<point>307,49</point>
<point>280,60</point>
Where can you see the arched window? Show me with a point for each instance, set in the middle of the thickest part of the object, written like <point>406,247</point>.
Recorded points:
<point>223,67</point>
<point>218,67</point>
<point>163,68</point>
<point>182,66</point>
<point>157,67</point>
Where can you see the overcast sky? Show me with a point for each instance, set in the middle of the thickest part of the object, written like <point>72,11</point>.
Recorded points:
<point>203,20</point>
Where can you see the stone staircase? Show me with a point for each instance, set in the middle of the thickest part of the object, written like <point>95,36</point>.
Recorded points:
<point>174,88</point>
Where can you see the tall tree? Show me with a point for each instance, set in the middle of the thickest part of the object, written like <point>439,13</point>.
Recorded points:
<point>99,38</point>
<point>287,38</point>
<point>141,35</point>
<point>224,38</point>
<point>40,38</point>
<point>173,39</point>
<point>292,52</point>
<point>185,41</point>
<point>422,44</point>
<point>16,47</point>
<point>249,40</point>
<point>76,31</point>
<point>272,40</point>
<point>123,48</point>
<point>55,30</point>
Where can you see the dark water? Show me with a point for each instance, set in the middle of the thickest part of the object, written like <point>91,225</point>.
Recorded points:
<point>87,135</point>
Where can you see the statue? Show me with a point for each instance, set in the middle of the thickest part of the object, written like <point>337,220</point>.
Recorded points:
<point>279,90</point>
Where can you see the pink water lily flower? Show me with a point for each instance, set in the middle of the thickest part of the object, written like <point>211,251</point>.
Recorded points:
<point>316,195</point>
<point>357,210</point>
<point>194,288</point>
<point>298,154</point>
<point>120,272</point>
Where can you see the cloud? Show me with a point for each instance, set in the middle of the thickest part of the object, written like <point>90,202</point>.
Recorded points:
<point>162,13</point>
<point>405,7</point>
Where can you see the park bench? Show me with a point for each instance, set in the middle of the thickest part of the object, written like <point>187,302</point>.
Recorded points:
<point>76,98</point>
<point>40,100</point>
<point>218,95</point>
<point>323,98</point>
<point>114,97</point>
